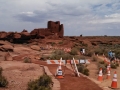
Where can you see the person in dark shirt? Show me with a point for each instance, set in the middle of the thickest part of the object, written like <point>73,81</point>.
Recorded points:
<point>81,50</point>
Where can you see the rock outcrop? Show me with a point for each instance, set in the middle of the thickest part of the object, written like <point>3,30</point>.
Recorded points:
<point>8,57</point>
<point>54,30</point>
<point>35,47</point>
<point>6,48</point>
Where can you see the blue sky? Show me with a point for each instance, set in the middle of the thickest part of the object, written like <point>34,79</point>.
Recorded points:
<point>87,17</point>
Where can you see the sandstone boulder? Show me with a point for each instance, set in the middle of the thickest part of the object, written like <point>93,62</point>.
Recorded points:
<point>16,35</point>
<point>4,43</point>
<point>8,57</point>
<point>3,35</point>
<point>6,48</point>
<point>35,47</point>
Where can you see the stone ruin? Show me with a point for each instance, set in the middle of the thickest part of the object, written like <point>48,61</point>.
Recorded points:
<point>54,30</point>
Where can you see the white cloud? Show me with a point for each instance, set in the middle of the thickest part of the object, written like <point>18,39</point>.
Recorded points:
<point>28,13</point>
<point>78,16</point>
<point>116,15</point>
<point>112,18</point>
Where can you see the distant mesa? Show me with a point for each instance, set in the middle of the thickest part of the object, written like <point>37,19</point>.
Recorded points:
<point>54,30</point>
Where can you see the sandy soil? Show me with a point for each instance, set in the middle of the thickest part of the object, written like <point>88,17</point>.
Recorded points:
<point>19,74</point>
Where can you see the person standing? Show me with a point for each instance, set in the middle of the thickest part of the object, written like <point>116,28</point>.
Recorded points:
<point>110,54</point>
<point>83,51</point>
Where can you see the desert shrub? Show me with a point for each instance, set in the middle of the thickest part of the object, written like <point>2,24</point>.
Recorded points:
<point>76,45</point>
<point>67,56</point>
<point>43,57</point>
<point>103,66</point>
<point>117,53</point>
<point>53,43</point>
<point>101,62</point>
<point>86,72</point>
<point>94,59</point>
<point>61,42</point>
<point>1,70</point>
<point>89,53</point>
<point>73,51</point>
<point>113,66</point>
<point>42,83</point>
<point>84,44</point>
<point>64,56</point>
<point>83,69</point>
<point>80,57</point>
<point>117,64</point>
<point>101,50</point>
<point>59,53</point>
<point>27,60</point>
<point>3,81</point>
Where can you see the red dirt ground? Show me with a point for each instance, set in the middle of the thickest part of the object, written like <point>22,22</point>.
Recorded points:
<point>70,82</point>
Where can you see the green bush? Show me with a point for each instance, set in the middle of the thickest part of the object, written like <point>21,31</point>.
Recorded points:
<point>83,69</point>
<point>27,60</point>
<point>42,83</point>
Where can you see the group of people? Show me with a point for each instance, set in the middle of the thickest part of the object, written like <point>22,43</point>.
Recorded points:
<point>111,55</point>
